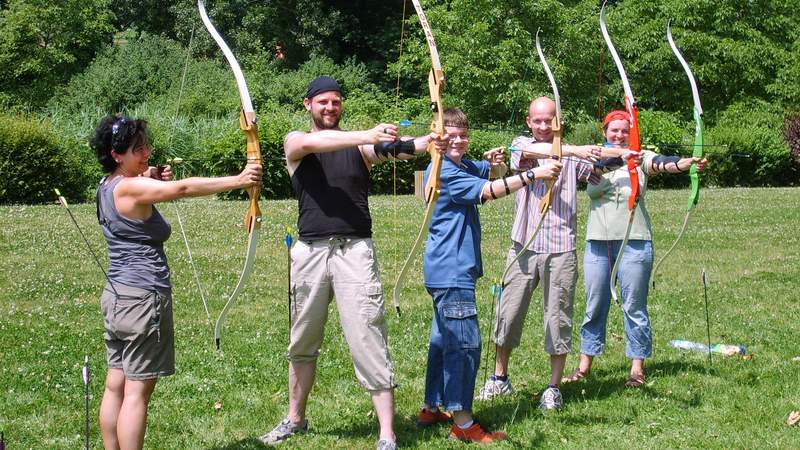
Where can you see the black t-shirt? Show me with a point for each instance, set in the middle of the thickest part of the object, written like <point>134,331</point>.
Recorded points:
<point>331,190</point>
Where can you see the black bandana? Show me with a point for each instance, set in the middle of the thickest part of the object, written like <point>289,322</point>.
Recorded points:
<point>322,84</point>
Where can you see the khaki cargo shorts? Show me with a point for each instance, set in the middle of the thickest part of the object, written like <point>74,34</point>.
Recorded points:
<point>558,273</point>
<point>344,268</point>
<point>139,332</point>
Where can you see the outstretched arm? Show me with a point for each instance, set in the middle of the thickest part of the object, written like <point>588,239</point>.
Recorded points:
<point>148,191</point>
<point>297,145</point>
<point>134,197</point>
<point>504,186</point>
<point>674,164</point>
<point>588,152</point>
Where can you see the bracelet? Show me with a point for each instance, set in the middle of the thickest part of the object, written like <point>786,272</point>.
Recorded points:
<point>505,183</point>
<point>530,175</point>
<point>491,191</point>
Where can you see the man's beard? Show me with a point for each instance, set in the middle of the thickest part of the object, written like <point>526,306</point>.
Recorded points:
<point>321,124</point>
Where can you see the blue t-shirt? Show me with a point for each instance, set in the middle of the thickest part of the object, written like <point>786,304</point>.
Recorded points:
<point>453,249</point>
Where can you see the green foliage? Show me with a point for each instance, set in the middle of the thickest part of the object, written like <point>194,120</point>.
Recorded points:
<point>289,31</point>
<point>585,133</point>
<point>273,86</point>
<point>717,38</point>
<point>142,67</point>
<point>43,43</point>
<point>489,58</point>
<point>786,85</point>
<point>481,141</point>
<point>34,160</point>
<point>487,51</point>
<point>657,128</point>
<point>752,128</point>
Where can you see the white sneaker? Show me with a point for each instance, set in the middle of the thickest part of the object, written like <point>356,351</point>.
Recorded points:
<point>283,431</point>
<point>551,399</point>
<point>386,444</point>
<point>495,388</point>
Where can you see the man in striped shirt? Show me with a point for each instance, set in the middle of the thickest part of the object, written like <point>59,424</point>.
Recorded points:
<point>551,258</point>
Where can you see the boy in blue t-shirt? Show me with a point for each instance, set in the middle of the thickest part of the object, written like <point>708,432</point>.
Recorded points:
<point>452,265</point>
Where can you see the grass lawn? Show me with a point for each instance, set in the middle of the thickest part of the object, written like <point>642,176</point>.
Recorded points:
<point>746,239</point>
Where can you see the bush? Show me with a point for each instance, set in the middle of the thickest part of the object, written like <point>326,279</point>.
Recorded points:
<point>34,161</point>
<point>141,68</point>
<point>585,133</point>
<point>750,128</point>
<point>664,133</point>
<point>223,152</point>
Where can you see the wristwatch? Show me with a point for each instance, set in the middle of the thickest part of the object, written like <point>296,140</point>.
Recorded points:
<point>530,175</point>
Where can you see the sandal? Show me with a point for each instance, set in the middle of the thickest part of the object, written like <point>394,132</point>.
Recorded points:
<point>635,381</point>
<point>577,375</point>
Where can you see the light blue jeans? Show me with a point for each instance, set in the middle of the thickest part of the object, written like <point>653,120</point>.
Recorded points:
<point>633,277</point>
<point>455,350</point>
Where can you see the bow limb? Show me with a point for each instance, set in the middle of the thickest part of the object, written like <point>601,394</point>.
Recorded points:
<point>555,153</point>
<point>634,143</point>
<point>697,151</point>
<point>558,121</point>
<point>247,122</point>
<point>433,185</point>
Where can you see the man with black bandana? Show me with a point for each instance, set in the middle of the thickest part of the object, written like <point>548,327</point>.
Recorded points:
<point>334,254</point>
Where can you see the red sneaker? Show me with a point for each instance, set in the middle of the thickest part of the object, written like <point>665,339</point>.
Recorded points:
<point>427,418</point>
<point>476,434</point>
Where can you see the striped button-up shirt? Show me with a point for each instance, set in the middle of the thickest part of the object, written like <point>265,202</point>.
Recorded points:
<point>559,230</point>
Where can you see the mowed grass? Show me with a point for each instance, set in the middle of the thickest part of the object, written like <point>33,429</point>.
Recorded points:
<point>746,239</point>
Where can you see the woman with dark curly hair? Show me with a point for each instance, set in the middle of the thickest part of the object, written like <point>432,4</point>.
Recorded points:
<point>137,299</point>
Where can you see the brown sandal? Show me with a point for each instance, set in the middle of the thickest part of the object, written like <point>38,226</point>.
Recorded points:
<point>576,375</point>
<point>635,381</point>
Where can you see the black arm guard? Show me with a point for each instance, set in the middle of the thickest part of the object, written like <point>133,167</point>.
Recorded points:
<point>385,149</point>
<point>608,164</point>
<point>660,162</point>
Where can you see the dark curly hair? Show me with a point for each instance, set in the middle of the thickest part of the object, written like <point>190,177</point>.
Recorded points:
<point>119,133</point>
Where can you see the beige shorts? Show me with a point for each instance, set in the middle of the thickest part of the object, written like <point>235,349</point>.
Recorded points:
<point>346,269</point>
<point>139,332</point>
<point>558,273</point>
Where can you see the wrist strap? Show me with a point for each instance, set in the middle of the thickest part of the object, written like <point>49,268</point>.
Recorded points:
<point>491,191</point>
<point>505,183</point>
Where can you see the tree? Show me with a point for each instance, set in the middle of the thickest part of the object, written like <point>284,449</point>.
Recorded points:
<point>43,43</point>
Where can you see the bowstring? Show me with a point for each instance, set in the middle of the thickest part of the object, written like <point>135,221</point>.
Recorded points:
<point>396,106</point>
<point>174,203</point>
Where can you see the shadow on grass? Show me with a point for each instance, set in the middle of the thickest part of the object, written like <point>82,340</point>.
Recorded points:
<point>408,434</point>
<point>604,382</point>
<point>501,413</point>
<point>405,428</point>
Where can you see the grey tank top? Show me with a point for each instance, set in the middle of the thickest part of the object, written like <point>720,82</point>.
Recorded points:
<point>135,247</point>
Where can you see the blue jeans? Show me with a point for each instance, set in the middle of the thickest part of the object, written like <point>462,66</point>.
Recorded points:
<point>455,349</point>
<point>634,280</point>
